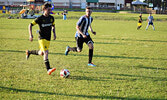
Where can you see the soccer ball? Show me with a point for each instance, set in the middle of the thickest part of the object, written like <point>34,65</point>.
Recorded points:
<point>64,73</point>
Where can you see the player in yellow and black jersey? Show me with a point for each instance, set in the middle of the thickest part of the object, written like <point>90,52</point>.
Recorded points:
<point>46,24</point>
<point>139,24</point>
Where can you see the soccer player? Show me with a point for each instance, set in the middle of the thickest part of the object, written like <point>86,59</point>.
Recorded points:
<point>140,21</point>
<point>46,24</point>
<point>82,35</point>
<point>150,20</point>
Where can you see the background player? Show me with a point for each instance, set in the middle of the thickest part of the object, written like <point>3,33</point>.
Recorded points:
<point>140,21</point>
<point>150,20</point>
<point>46,24</point>
<point>82,35</point>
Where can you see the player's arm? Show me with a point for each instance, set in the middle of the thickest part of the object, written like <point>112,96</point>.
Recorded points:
<point>34,22</point>
<point>30,28</point>
<point>90,28</point>
<point>80,32</point>
<point>30,32</point>
<point>54,32</point>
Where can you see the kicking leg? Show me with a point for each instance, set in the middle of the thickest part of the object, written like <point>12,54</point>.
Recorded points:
<point>47,64</point>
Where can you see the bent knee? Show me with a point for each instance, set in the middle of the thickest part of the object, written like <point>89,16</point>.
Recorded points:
<point>79,50</point>
<point>91,47</point>
<point>42,54</point>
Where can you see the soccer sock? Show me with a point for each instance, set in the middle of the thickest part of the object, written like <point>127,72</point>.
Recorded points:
<point>34,52</point>
<point>138,27</point>
<point>47,64</point>
<point>73,49</point>
<point>147,27</point>
<point>153,27</point>
<point>90,55</point>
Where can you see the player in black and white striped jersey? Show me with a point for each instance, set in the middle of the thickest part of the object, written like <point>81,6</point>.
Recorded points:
<point>82,35</point>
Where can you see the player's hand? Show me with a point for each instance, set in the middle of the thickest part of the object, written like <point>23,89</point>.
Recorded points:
<point>94,33</point>
<point>31,38</point>
<point>84,36</point>
<point>54,38</point>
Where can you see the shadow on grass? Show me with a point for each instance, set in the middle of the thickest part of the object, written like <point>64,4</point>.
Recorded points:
<point>63,41</point>
<point>95,42</point>
<point>70,95</point>
<point>156,68</point>
<point>131,40</point>
<point>90,78</point>
<point>143,77</point>
<point>103,56</point>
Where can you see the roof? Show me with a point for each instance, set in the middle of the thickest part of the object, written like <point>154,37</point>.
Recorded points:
<point>137,2</point>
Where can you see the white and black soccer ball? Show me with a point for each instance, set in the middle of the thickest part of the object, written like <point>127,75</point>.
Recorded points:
<point>64,73</point>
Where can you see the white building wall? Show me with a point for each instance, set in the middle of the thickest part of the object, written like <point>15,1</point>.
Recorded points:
<point>72,3</point>
<point>68,3</point>
<point>12,2</point>
<point>120,1</point>
<point>107,1</point>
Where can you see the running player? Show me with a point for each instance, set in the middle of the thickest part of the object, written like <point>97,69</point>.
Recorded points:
<point>150,20</point>
<point>46,24</point>
<point>82,35</point>
<point>140,21</point>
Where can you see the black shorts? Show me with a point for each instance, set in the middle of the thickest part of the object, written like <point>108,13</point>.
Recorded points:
<point>80,41</point>
<point>151,23</point>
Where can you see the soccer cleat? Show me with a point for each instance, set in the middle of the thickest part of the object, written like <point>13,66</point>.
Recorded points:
<point>51,70</point>
<point>91,64</point>
<point>27,54</point>
<point>66,52</point>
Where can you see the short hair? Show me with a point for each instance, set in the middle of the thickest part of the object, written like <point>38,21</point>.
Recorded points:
<point>47,5</point>
<point>89,8</point>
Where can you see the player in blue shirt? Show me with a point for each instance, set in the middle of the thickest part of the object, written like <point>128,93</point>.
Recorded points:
<point>82,35</point>
<point>150,20</point>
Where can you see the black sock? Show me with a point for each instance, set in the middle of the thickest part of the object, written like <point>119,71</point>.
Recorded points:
<point>90,55</point>
<point>73,49</point>
<point>138,27</point>
<point>47,64</point>
<point>34,52</point>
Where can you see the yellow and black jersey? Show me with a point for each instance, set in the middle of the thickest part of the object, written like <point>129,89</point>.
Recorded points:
<point>45,25</point>
<point>140,19</point>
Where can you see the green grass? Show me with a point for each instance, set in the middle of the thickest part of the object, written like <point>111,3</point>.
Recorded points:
<point>131,64</point>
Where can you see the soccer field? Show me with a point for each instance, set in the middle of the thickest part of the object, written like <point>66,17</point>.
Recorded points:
<point>131,63</point>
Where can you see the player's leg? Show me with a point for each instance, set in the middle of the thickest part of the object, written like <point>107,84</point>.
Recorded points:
<point>47,64</point>
<point>29,52</point>
<point>78,48</point>
<point>153,26</point>
<point>44,45</point>
<point>91,47</point>
<point>147,26</point>
<point>68,49</point>
<point>139,26</point>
